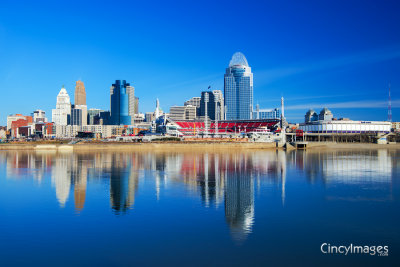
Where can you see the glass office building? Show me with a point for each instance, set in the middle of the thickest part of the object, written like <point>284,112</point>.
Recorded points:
<point>120,103</point>
<point>214,106</point>
<point>238,89</point>
<point>262,114</point>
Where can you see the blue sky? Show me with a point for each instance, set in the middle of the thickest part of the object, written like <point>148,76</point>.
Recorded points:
<point>339,54</point>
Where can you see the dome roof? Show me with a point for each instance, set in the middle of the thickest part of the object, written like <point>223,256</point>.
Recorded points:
<point>325,111</point>
<point>238,59</point>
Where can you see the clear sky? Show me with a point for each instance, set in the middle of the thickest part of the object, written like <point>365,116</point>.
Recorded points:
<point>339,54</point>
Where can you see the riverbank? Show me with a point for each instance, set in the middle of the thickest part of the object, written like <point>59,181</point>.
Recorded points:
<point>348,146</point>
<point>198,146</point>
<point>210,146</point>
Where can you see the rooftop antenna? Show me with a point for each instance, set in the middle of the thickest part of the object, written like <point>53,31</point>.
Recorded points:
<point>390,107</point>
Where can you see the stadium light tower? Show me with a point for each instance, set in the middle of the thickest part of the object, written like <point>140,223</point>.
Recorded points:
<point>206,99</point>
<point>216,116</point>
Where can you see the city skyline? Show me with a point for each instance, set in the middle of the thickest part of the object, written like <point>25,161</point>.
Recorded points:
<point>309,56</point>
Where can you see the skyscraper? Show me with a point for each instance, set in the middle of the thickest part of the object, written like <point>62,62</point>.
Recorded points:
<point>120,103</point>
<point>219,103</point>
<point>93,116</point>
<point>63,108</point>
<point>194,101</point>
<point>131,105</point>
<point>238,89</point>
<point>80,93</point>
<point>214,106</point>
<point>136,106</point>
<point>78,115</point>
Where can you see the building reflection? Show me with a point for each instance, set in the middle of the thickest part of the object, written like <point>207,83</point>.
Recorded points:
<point>123,184</point>
<point>79,180</point>
<point>371,170</point>
<point>239,201</point>
<point>61,178</point>
<point>220,180</point>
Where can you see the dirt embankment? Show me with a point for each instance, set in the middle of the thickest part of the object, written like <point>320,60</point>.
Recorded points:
<point>185,146</point>
<point>140,146</point>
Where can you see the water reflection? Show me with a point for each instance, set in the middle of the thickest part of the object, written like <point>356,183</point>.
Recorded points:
<point>219,179</point>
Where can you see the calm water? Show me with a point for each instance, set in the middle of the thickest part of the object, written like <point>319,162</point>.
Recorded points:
<point>185,208</point>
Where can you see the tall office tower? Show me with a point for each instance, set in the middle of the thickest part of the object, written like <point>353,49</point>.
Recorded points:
<point>177,113</point>
<point>182,112</point>
<point>261,114</point>
<point>131,106</point>
<point>78,115</point>
<point>238,89</point>
<point>120,103</point>
<point>149,116</point>
<point>136,105</point>
<point>194,101</point>
<point>93,116</point>
<point>219,99</point>
<point>105,118</point>
<point>63,108</point>
<point>215,105</point>
<point>75,118</point>
<point>80,93</point>
<point>190,112</point>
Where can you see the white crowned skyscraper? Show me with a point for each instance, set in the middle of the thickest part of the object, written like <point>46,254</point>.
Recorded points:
<point>238,89</point>
<point>63,108</point>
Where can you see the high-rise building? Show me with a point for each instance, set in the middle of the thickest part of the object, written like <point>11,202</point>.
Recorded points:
<point>120,101</point>
<point>194,101</point>
<point>131,105</point>
<point>63,108</point>
<point>310,116</point>
<point>325,115</point>
<point>190,112</point>
<point>78,115</point>
<point>136,105</point>
<point>261,114</point>
<point>182,112</point>
<point>93,116</point>
<point>105,118</point>
<point>219,101</point>
<point>80,93</point>
<point>238,89</point>
<point>149,116</point>
<point>177,112</point>
<point>215,105</point>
